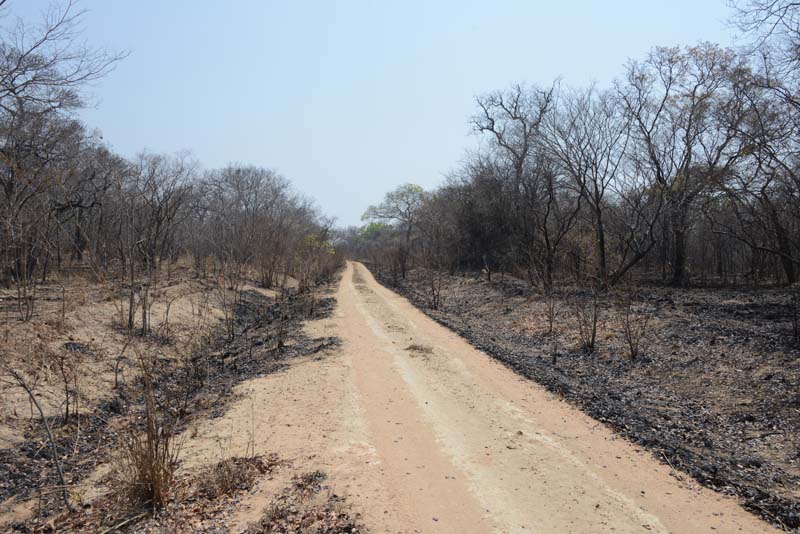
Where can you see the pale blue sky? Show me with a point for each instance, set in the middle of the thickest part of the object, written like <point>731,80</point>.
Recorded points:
<point>349,99</point>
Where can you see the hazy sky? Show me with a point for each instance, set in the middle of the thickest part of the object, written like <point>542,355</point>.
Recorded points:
<point>350,98</point>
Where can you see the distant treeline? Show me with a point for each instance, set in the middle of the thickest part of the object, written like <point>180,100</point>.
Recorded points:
<point>67,200</point>
<point>687,169</point>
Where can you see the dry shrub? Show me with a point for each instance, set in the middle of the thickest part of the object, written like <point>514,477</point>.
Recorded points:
<point>234,474</point>
<point>67,362</point>
<point>434,293</point>
<point>634,326</point>
<point>587,314</point>
<point>145,473</point>
<point>282,331</point>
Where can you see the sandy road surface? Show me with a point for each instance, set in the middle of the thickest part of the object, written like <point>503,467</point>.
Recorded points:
<point>423,433</point>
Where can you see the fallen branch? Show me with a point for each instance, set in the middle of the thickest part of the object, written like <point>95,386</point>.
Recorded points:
<point>123,523</point>
<point>24,385</point>
<point>675,472</point>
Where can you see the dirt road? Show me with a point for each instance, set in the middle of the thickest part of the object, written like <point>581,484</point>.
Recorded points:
<point>423,433</point>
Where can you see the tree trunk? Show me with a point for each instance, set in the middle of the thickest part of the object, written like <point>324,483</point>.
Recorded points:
<point>783,245</point>
<point>132,292</point>
<point>680,273</point>
<point>548,270</point>
<point>143,299</point>
<point>600,243</point>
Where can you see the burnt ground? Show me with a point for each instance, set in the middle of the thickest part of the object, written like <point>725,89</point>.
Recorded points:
<point>305,507</point>
<point>714,393</point>
<point>268,336</point>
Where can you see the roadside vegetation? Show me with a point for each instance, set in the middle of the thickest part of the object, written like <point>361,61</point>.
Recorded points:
<point>134,294</point>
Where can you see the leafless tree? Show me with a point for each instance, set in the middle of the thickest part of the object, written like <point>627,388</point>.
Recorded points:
<point>773,27</point>
<point>588,136</point>
<point>544,214</point>
<point>686,108</point>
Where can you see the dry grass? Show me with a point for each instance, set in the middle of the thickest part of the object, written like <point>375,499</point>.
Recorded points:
<point>79,311</point>
<point>145,473</point>
<point>230,475</point>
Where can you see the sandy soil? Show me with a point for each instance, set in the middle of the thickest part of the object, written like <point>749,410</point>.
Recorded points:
<point>423,433</point>
<point>182,308</point>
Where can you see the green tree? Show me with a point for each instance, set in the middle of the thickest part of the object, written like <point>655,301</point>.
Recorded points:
<point>400,206</point>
